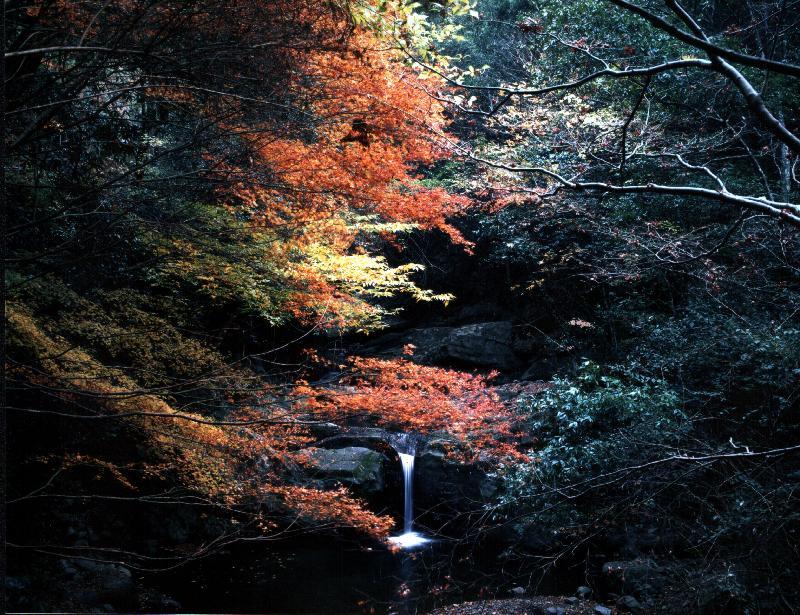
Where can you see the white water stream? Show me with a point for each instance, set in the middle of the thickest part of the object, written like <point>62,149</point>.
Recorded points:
<point>409,538</point>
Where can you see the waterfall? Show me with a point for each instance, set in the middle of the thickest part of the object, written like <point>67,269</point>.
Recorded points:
<point>409,538</point>
<point>408,491</point>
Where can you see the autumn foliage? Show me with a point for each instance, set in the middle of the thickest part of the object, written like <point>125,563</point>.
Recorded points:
<point>219,162</point>
<point>400,394</point>
<point>355,176</point>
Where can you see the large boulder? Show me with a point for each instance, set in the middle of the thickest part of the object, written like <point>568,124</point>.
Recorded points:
<point>488,344</point>
<point>445,485</point>
<point>375,438</point>
<point>104,582</point>
<point>527,535</point>
<point>485,344</point>
<point>355,466</point>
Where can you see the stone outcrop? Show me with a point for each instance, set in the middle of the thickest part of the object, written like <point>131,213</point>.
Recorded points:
<point>485,344</point>
<point>445,484</point>
<point>354,466</point>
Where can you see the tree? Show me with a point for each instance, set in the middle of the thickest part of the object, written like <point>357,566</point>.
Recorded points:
<point>181,175</point>
<point>612,142</point>
<point>624,148</point>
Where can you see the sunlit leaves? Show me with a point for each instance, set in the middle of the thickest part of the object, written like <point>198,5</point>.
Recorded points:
<point>403,395</point>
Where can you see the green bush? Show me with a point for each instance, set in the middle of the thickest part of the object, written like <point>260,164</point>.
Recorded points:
<point>600,421</point>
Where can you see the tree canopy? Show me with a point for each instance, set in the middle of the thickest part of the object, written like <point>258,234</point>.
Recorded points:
<point>224,221</point>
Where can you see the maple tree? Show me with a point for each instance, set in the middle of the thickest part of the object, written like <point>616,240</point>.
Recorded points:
<point>196,190</point>
<point>409,397</point>
<point>217,160</point>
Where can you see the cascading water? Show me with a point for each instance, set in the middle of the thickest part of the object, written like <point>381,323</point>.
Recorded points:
<point>408,491</point>
<point>409,538</point>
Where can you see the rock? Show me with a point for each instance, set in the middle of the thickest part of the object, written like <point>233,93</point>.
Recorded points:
<point>170,605</point>
<point>153,601</point>
<point>374,438</point>
<point>479,311</point>
<point>323,429</point>
<point>519,591</point>
<point>177,529</point>
<point>88,598</point>
<point>571,600</point>
<point>583,592</point>
<point>354,466</point>
<point>538,538</point>
<point>633,540</point>
<point>547,367</point>
<point>640,578</point>
<point>441,482</point>
<point>18,584</point>
<point>602,610</point>
<point>487,344</point>
<point>527,535</point>
<point>629,604</point>
<point>66,568</point>
<point>721,592</point>
<point>555,610</point>
<point>109,582</point>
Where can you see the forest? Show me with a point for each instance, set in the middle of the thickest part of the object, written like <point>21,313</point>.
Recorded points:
<point>401,307</point>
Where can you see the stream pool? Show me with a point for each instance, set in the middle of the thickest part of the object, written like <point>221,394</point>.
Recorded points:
<point>315,574</point>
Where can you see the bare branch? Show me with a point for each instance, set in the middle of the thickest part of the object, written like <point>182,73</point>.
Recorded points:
<point>783,68</point>
<point>782,211</point>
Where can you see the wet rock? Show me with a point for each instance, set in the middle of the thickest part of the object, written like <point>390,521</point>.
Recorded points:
<point>602,610</point>
<point>628,604</point>
<point>357,467</point>
<point>323,429</point>
<point>571,600</point>
<point>555,610</point>
<point>442,482</point>
<point>583,592</point>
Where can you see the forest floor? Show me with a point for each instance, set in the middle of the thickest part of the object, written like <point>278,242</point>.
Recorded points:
<point>536,605</point>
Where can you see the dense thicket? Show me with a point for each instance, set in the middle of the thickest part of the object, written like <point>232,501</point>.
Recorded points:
<point>182,177</point>
<point>590,125</point>
<point>198,193</point>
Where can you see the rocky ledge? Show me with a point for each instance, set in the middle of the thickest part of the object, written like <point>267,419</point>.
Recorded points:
<point>536,605</point>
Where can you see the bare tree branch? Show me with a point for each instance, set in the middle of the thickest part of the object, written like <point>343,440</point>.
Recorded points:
<point>783,68</point>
